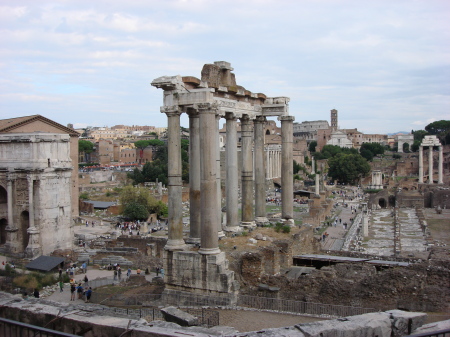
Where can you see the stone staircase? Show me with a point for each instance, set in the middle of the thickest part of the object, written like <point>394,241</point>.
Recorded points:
<point>113,259</point>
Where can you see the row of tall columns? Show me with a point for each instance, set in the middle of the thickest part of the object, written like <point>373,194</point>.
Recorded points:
<point>205,191</point>
<point>430,165</point>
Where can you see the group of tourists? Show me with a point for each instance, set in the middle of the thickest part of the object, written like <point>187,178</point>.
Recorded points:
<point>81,291</point>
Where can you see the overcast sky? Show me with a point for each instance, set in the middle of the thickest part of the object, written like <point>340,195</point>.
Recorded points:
<point>384,65</point>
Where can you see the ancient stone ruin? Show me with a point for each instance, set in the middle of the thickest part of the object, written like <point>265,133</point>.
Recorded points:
<point>35,193</point>
<point>206,100</point>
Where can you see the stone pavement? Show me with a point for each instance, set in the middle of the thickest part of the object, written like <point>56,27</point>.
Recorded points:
<point>335,239</point>
<point>92,274</point>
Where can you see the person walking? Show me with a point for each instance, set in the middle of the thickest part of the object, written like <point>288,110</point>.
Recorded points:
<point>115,274</point>
<point>88,295</point>
<point>72,291</point>
<point>61,286</point>
<point>86,280</point>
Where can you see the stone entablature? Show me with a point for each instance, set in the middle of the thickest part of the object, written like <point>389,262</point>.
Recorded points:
<point>35,180</point>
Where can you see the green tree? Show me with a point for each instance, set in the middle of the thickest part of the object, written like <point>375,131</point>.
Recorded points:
<point>131,196</point>
<point>312,146</point>
<point>348,167</point>
<point>158,168</point>
<point>441,129</point>
<point>419,134</point>
<point>85,147</point>
<point>415,146</point>
<point>135,211</point>
<point>141,145</point>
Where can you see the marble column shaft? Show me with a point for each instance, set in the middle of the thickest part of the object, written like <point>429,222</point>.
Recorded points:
<point>219,187</point>
<point>420,164</point>
<point>194,177</point>
<point>175,236</point>
<point>10,204</point>
<point>208,186</point>
<point>247,170</point>
<point>441,164</point>
<point>31,201</point>
<point>232,172</point>
<point>287,175</point>
<point>430,164</point>
<point>260,178</point>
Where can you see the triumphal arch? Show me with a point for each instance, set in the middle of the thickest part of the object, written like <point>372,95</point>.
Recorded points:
<point>216,95</point>
<point>35,193</point>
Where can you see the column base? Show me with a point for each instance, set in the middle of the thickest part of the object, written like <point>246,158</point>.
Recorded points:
<point>209,251</point>
<point>233,229</point>
<point>261,220</point>
<point>175,245</point>
<point>220,234</point>
<point>193,241</point>
<point>33,252</point>
<point>248,224</point>
<point>289,222</point>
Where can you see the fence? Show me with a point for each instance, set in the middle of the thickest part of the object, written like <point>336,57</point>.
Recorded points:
<point>316,309</point>
<point>254,302</point>
<point>10,328</point>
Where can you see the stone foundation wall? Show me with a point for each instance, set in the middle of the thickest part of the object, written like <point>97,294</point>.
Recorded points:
<point>87,321</point>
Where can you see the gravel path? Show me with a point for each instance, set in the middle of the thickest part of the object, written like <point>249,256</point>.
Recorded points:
<point>247,320</point>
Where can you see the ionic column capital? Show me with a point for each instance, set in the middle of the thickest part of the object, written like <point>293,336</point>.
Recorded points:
<point>171,110</point>
<point>260,119</point>
<point>230,116</point>
<point>286,118</point>
<point>207,108</point>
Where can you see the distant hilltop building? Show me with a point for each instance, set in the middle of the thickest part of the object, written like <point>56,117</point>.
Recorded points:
<point>330,134</point>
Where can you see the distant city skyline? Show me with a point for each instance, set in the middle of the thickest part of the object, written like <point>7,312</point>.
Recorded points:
<point>384,65</point>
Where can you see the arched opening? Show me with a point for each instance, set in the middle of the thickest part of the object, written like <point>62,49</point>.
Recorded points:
<point>3,224</point>
<point>267,132</point>
<point>3,196</point>
<point>24,224</point>
<point>382,202</point>
<point>392,201</point>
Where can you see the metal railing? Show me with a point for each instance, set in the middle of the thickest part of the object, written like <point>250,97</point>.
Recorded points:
<point>10,328</point>
<point>308,308</point>
<point>437,333</point>
<point>254,302</point>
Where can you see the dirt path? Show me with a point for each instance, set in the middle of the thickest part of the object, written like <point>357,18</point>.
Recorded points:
<point>247,320</point>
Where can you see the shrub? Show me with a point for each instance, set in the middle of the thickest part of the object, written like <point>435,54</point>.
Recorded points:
<point>278,227</point>
<point>286,229</point>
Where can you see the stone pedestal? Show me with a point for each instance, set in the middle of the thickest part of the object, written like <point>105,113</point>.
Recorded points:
<point>33,249</point>
<point>187,271</point>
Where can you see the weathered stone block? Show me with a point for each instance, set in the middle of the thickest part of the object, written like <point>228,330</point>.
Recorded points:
<point>172,314</point>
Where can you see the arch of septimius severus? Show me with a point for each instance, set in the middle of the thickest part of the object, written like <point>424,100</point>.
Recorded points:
<point>216,95</point>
